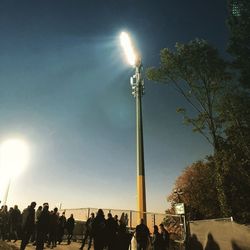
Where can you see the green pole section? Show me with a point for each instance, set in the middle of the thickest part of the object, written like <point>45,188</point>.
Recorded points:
<point>141,188</point>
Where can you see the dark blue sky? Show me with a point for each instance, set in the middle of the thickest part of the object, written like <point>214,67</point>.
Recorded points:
<point>65,89</point>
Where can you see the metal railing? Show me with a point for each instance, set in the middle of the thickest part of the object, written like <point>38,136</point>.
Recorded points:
<point>175,224</point>
<point>82,214</point>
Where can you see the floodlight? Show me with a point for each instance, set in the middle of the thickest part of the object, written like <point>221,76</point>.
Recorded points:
<point>128,48</point>
<point>14,157</point>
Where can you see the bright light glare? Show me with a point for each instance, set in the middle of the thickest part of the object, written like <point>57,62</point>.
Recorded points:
<point>128,48</point>
<point>14,157</point>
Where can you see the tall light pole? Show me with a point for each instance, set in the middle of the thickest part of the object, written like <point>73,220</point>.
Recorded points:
<point>137,85</point>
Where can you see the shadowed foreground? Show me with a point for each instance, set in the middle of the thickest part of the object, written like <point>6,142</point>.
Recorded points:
<point>219,234</point>
<point>16,246</point>
<point>5,246</point>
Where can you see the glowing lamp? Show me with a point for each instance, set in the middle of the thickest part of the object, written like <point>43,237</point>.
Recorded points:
<point>14,157</point>
<point>128,48</point>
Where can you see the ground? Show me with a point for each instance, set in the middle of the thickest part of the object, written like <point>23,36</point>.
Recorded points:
<point>16,246</point>
<point>4,246</point>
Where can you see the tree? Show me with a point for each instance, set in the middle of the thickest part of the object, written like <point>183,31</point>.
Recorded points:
<point>199,194</point>
<point>236,115</point>
<point>234,111</point>
<point>200,76</point>
<point>239,43</point>
<point>234,155</point>
<point>236,174</point>
<point>199,190</point>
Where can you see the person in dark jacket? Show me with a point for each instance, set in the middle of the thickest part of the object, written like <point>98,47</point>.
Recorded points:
<point>98,229</point>
<point>88,232</point>
<point>4,217</point>
<point>15,219</point>
<point>157,241</point>
<point>70,225</point>
<point>111,232</point>
<point>42,227</point>
<point>142,236</point>
<point>34,235</point>
<point>28,224</point>
<point>61,227</point>
<point>165,236</point>
<point>123,238</point>
<point>53,228</point>
<point>9,224</point>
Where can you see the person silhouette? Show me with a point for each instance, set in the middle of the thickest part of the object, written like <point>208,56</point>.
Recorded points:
<point>28,224</point>
<point>123,238</point>
<point>70,225</point>
<point>157,240</point>
<point>99,230</point>
<point>194,243</point>
<point>42,227</point>
<point>211,243</point>
<point>142,236</point>
<point>88,232</point>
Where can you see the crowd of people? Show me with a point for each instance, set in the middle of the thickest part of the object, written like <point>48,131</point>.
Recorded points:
<point>47,227</point>
<point>36,226</point>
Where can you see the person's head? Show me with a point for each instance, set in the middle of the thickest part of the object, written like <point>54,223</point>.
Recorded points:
<point>92,215</point>
<point>71,216</point>
<point>46,206</point>
<point>142,221</point>
<point>15,207</point>
<point>162,227</point>
<point>109,215</point>
<point>210,237</point>
<point>100,212</point>
<point>116,217</point>
<point>63,213</point>
<point>55,210</point>
<point>39,208</point>
<point>33,204</point>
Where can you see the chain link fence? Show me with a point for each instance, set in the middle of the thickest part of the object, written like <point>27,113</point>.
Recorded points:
<point>133,217</point>
<point>175,224</point>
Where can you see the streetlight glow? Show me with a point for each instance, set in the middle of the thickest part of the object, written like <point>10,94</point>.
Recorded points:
<point>14,157</point>
<point>128,48</point>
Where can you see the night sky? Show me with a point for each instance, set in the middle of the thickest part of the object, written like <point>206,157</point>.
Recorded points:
<point>64,88</point>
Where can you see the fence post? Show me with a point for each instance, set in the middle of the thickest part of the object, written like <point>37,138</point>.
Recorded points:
<point>130,219</point>
<point>185,231</point>
<point>153,219</point>
<point>88,212</point>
